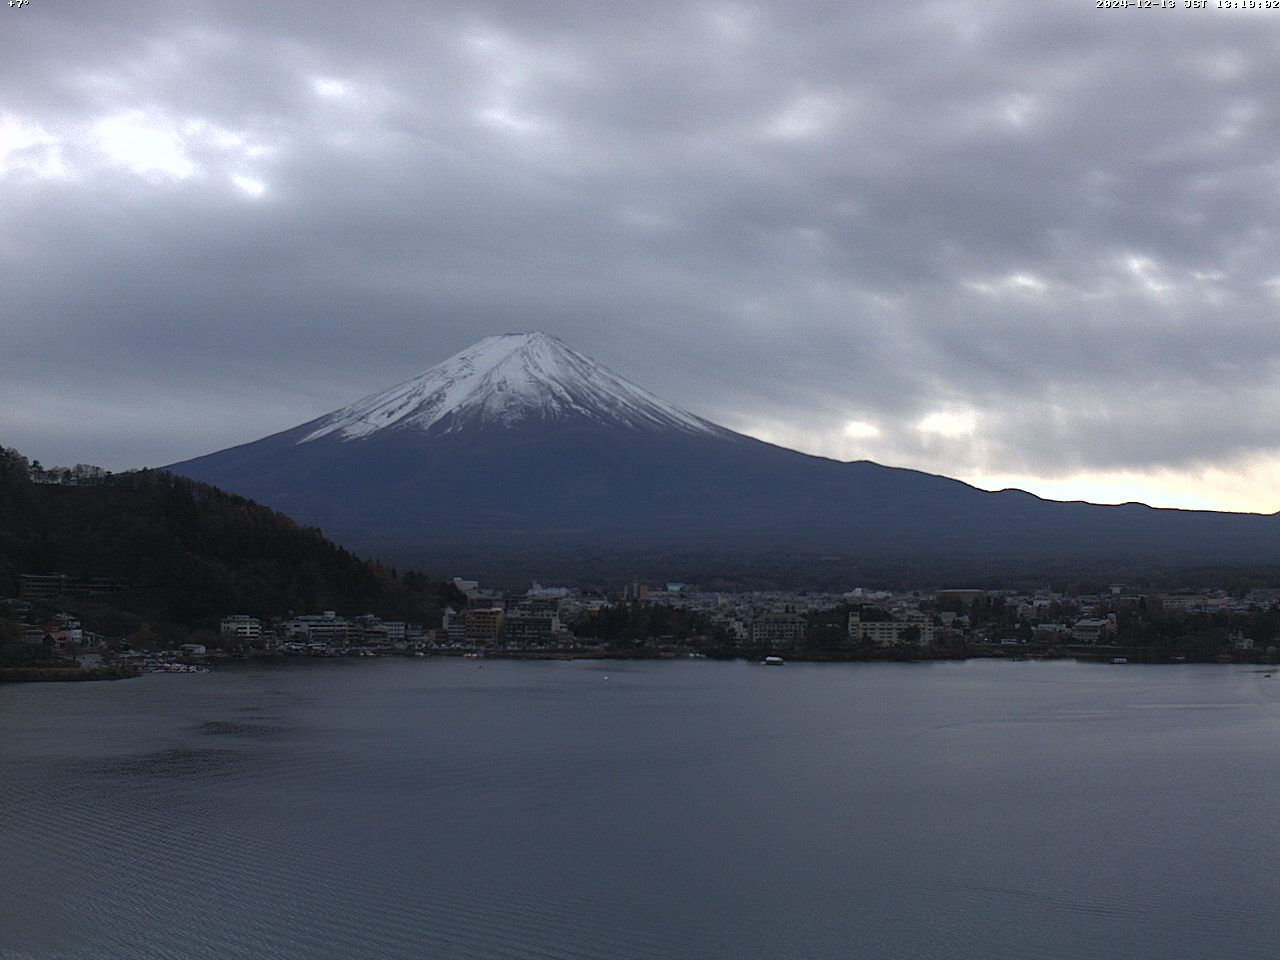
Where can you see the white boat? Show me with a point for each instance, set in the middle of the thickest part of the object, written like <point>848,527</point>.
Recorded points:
<point>773,661</point>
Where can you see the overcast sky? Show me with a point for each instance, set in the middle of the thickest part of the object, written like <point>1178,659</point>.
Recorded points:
<point>1024,244</point>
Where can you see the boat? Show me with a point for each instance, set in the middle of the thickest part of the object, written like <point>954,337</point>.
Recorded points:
<point>1119,659</point>
<point>773,661</point>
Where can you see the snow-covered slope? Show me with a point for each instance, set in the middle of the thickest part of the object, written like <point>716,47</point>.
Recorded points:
<point>507,380</point>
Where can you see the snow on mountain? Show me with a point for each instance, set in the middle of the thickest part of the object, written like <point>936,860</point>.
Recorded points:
<point>506,380</point>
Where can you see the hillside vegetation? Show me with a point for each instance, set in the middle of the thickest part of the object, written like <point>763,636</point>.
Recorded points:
<point>190,552</point>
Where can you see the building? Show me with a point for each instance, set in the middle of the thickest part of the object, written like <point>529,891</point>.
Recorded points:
<point>68,627</point>
<point>241,628</point>
<point>890,633</point>
<point>484,624</point>
<point>1094,630</point>
<point>327,628</point>
<point>51,586</point>
<point>529,630</point>
<point>533,621</point>
<point>96,586</point>
<point>778,629</point>
<point>965,596</point>
<point>34,635</point>
<point>41,586</point>
<point>454,625</point>
<point>548,593</point>
<point>1050,632</point>
<point>1239,641</point>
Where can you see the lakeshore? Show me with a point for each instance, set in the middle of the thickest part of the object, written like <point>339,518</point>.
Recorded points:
<point>176,663</point>
<point>1112,625</point>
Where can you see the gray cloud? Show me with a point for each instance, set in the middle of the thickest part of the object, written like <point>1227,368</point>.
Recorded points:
<point>1052,230</point>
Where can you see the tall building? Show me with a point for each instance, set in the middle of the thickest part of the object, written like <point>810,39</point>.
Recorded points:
<point>636,591</point>
<point>533,621</point>
<point>778,629</point>
<point>484,624</point>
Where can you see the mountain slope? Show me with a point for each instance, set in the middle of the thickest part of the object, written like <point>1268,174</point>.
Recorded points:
<point>520,444</point>
<point>191,553</point>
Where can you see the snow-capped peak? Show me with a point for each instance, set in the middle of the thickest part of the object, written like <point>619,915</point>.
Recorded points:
<point>508,379</point>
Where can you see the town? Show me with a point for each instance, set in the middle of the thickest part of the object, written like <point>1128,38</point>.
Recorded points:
<point>1110,623</point>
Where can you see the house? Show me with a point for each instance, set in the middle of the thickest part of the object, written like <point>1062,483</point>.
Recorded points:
<point>69,628</point>
<point>1094,630</point>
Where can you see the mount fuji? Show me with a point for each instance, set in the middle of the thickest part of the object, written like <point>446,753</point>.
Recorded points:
<point>520,447</point>
<point>510,381</point>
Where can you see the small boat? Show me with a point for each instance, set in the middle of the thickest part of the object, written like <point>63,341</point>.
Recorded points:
<point>1119,659</point>
<point>773,661</point>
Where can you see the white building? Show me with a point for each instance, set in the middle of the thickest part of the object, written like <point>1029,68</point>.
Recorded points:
<point>548,593</point>
<point>889,633</point>
<point>779,628</point>
<point>66,631</point>
<point>323,628</point>
<point>241,627</point>
<point>454,625</point>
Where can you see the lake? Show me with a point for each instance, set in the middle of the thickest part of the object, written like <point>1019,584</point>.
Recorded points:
<point>692,809</point>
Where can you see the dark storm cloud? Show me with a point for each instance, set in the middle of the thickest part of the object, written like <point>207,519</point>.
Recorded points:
<point>980,239</point>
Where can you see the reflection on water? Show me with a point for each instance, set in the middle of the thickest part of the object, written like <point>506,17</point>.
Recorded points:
<point>410,809</point>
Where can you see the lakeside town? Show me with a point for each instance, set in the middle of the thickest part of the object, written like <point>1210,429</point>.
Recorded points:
<point>150,572</point>
<point>1112,623</point>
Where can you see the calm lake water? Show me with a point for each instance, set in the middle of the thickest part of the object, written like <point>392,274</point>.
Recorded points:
<point>455,809</point>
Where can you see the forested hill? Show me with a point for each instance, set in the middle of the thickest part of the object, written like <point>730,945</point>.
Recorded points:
<point>190,552</point>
